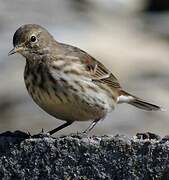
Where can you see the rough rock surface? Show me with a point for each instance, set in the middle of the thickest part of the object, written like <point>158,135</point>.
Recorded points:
<point>73,157</point>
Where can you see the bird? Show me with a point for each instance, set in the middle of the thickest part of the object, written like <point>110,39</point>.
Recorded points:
<point>67,82</point>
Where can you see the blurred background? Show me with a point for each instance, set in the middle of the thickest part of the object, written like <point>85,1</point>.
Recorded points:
<point>131,37</point>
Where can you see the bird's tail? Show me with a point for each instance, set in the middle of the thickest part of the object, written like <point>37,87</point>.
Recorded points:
<point>125,97</point>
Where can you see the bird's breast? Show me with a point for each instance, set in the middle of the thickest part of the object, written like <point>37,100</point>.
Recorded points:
<point>67,96</point>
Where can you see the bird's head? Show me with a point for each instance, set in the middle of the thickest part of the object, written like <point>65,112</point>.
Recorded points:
<point>31,39</point>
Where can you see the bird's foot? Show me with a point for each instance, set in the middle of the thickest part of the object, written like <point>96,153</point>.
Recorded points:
<point>42,134</point>
<point>147,135</point>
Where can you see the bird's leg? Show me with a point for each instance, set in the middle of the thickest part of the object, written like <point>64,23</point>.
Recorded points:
<point>60,127</point>
<point>91,126</point>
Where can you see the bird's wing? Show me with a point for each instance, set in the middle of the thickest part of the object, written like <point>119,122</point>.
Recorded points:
<point>99,73</point>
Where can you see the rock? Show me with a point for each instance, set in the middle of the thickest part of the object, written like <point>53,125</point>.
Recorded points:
<point>78,156</point>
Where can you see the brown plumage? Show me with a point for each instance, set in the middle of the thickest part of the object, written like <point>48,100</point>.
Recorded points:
<point>67,82</point>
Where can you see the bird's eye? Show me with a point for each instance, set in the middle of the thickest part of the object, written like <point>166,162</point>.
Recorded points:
<point>33,38</point>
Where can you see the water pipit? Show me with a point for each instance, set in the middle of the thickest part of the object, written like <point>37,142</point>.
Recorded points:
<point>67,82</point>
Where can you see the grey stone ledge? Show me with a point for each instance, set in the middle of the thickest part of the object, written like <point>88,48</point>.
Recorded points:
<point>77,156</point>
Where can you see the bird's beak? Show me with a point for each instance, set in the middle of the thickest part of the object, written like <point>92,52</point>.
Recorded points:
<point>15,50</point>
